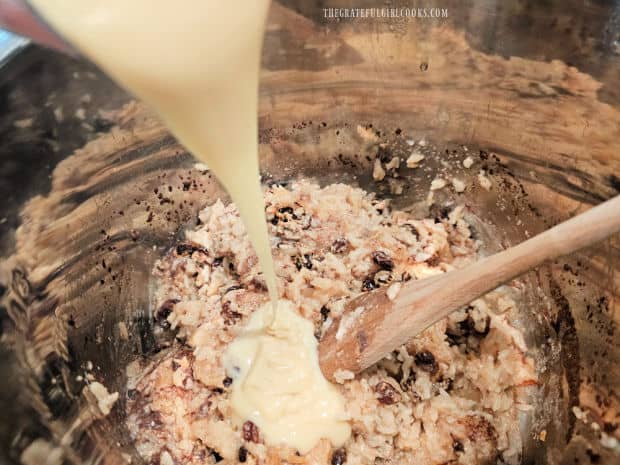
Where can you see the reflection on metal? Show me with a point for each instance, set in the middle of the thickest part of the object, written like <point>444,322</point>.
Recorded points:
<point>10,44</point>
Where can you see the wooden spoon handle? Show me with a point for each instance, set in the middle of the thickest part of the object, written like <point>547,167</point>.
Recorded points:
<point>384,325</point>
<point>581,231</point>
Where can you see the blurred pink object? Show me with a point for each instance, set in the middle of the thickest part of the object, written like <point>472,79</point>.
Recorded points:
<point>18,17</point>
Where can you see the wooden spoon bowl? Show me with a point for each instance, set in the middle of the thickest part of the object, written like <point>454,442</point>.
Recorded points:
<point>373,324</point>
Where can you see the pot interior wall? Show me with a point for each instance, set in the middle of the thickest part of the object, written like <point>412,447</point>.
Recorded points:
<point>334,96</point>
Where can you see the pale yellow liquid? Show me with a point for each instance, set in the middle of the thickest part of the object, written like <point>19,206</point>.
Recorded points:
<point>197,63</point>
<point>278,382</point>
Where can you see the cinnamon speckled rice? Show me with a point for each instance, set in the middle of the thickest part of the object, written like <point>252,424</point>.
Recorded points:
<point>451,395</point>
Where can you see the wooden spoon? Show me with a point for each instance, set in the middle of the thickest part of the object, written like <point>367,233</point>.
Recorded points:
<point>373,325</point>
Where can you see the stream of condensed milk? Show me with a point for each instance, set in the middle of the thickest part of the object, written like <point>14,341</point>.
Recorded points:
<point>197,62</point>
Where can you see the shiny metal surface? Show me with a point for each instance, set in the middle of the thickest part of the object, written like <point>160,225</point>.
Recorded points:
<point>17,16</point>
<point>529,88</point>
<point>10,44</point>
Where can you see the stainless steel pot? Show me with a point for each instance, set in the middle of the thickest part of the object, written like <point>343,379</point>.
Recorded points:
<point>529,88</point>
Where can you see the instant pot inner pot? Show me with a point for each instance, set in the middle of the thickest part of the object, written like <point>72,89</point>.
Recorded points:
<point>76,278</point>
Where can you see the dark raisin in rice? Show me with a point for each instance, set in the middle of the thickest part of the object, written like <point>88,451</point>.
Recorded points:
<point>243,454</point>
<point>339,245</point>
<point>383,260</point>
<point>250,432</point>
<point>457,446</point>
<point>369,284</point>
<point>386,393</point>
<point>162,313</point>
<point>325,312</point>
<point>339,457</point>
<point>425,360</point>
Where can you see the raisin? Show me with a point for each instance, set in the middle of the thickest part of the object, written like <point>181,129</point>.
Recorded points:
<point>250,432</point>
<point>284,214</point>
<point>383,260</point>
<point>218,261</point>
<point>187,249</point>
<point>227,381</point>
<point>303,262</point>
<point>152,420</point>
<point>203,410</point>
<point>101,124</point>
<point>340,245</point>
<point>325,312</point>
<point>339,457</point>
<point>412,229</point>
<point>434,260</point>
<point>216,456</point>
<point>257,285</point>
<point>457,446</point>
<point>479,428</point>
<point>369,284</point>
<point>230,316</point>
<point>486,329</point>
<point>243,454</point>
<point>235,287</point>
<point>165,309</point>
<point>468,327</point>
<point>425,360</point>
<point>384,154</point>
<point>387,394</point>
<point>593,456</point>
<point>445,384</point>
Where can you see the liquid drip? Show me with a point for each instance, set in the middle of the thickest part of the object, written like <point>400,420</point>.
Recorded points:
<point>197,64</point>
<point>278,384</point>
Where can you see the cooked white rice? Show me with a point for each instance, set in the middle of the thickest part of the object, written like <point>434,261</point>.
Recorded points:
<point>451,395</point>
